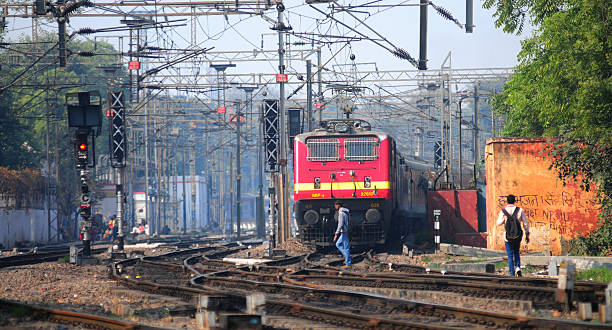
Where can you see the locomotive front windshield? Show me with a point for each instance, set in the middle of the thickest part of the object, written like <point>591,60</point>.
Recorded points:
<point>355,149</point>
<point>360,148</point>
<point>323,150</point>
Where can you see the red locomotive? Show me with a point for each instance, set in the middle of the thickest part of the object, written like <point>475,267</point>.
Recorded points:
<point>345,160</point>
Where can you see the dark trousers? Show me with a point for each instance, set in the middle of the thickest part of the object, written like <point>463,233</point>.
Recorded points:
<point>514,258</point>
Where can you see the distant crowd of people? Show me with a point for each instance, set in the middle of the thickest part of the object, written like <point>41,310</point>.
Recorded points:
<point>108,231</point>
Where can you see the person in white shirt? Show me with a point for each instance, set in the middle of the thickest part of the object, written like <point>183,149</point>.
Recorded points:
<point>511,217</point>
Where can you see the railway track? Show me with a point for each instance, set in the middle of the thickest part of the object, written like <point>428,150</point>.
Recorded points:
<point>584,291</point>
<point>541,297</point>
<point>375,306</point>
<point>53,253</point>
<point>38,257</point>
<point>281,313</point>
<point>292,292</point>
<point>24,313</point>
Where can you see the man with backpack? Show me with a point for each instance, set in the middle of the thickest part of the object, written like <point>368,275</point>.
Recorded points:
<point>342,232</point>
<point>511,217</point>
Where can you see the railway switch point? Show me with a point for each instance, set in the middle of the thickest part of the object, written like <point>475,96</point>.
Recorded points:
<point>585,311</point>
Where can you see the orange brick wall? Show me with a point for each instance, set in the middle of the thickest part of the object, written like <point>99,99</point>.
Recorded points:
<point>556,213</point>
<point>459,216</point>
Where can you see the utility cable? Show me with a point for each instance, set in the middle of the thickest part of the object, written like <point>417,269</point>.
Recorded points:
<point>403,101</point>
<point>295,91</point>
<point>20,75</point>
<point>399,52</point>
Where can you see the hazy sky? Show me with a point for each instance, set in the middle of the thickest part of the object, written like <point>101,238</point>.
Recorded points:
<point>486,47</point>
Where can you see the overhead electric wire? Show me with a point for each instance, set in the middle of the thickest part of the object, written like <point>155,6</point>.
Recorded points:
<point>295,91</point>
<point>21,77</point>
<point>3,88</point>
<point>399,52</point>
<point>403,101</point>
<point>4,46</point>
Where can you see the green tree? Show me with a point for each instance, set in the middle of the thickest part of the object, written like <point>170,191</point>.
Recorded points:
<point>562,88</point>
<point>16,151</point>
<point>26,105</point>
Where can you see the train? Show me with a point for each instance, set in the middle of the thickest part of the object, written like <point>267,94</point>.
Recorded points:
<point>346,160</point>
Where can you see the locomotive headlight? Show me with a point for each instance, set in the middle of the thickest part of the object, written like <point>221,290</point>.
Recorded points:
<point>317,183</point>
<point>373,216</point>
<point>311,217</point>
<point>341,128</point>
<point>367,182</point>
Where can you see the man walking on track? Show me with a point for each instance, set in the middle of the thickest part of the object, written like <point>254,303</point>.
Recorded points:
<point>341,237</point>
<point>511,217</point>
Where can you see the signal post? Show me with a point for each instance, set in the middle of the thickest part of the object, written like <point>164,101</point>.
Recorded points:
<point>117,157</point>
<point>82,150</point>
<point>84,114</point>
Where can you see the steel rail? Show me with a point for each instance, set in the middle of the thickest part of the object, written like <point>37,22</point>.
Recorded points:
<point>371,307</point>
<point>272,306</point>
<point>67,317</point>
<point>541,297</point>
<point>52,253</point>
<point>374,304</point>
<point>36,258</point>
<point>584,291</point>
<point>341,319</point>
<point>120,272</point>
<point>538,290</point>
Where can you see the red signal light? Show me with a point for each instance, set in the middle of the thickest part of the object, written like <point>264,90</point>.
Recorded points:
<point>82,146</point>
